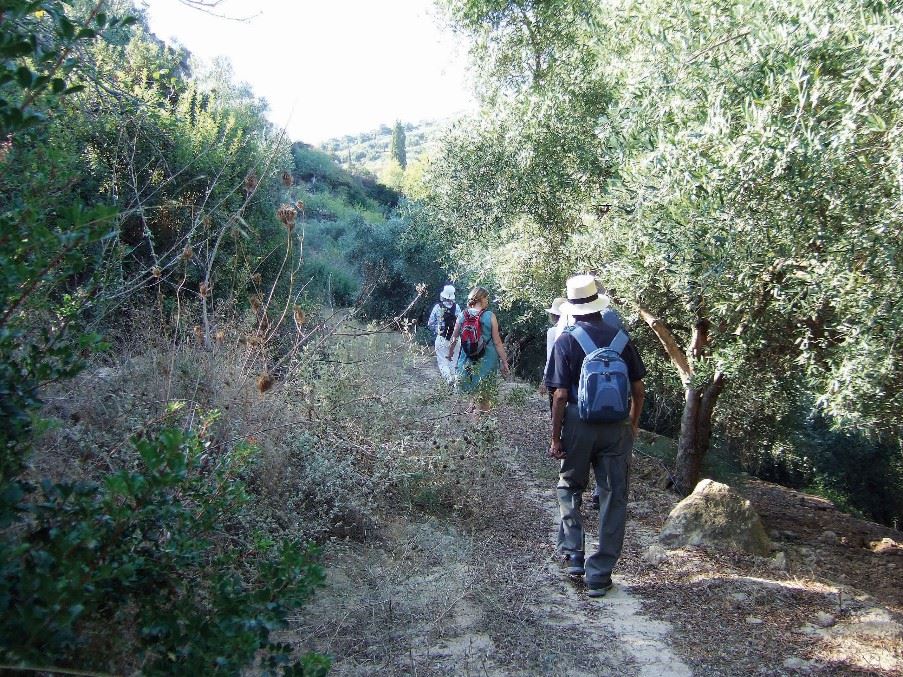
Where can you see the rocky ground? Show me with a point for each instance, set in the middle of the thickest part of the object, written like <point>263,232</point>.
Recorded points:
<point>474,587</point>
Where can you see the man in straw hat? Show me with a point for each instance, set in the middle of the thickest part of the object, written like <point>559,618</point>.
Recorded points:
<point>579,445</point>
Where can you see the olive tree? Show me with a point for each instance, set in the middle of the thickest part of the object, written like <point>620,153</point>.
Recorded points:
<point>751,158</point>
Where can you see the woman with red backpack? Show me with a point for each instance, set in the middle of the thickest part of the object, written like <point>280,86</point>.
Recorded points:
<point>482,350</point>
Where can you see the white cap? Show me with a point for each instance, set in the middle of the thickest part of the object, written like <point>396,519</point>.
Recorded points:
<point>448,292</point>
<point>556,306</point>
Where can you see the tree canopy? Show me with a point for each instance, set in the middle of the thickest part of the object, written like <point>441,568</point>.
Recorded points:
<point>731,173</point>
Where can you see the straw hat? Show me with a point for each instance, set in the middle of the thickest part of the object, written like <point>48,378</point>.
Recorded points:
<point>556,306</point>
<point>448,292</point>
<point>583,297</point>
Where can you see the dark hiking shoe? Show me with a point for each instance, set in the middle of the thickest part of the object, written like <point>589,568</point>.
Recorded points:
<point>598,588</point>
<point>594,502</point>
<point>573,564</point>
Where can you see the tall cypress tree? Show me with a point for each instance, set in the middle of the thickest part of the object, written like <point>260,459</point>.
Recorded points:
<point>399,152</point>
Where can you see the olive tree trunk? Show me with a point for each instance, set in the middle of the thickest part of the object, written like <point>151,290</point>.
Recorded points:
<point>699,404</point>
<point>695,433</point>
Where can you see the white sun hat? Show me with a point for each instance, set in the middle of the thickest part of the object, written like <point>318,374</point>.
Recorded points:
<point>583,297</point>
<point>556,306</point>
<point>448,292</point>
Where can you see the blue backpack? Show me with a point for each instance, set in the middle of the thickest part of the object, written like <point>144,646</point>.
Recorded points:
<point>603,394</point>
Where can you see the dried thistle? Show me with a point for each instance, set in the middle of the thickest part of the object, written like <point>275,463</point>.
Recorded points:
<point>255,302</point>
<point>264,382</point>
<point>255,340</point>
<point>287,179</point>
<point>187,254</point>
<point>421,288</point>
<point>251,182</point>
<point>299,205</point>
<point>256,279</point>
<point>287,214</point>
<point>204,289</point>
<point>299,316</point>
<point>219,336</point>
<point>156,272</point>
<point>198,333</point>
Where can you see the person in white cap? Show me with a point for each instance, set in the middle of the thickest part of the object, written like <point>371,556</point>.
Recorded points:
<point>443,318</point>
<point>590,428</point>
<point>552,333</point>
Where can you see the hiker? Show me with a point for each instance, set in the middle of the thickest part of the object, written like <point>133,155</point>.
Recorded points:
<point>552,333</point>
<point>609,316</point>
<point>482,350</point>
<point>594,424</point>
<point>442,322</point>
<point>559,322</point>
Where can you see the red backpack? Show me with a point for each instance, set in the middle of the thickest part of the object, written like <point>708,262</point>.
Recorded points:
<point>473,343</point>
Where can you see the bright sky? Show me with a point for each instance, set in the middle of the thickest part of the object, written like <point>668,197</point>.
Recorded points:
<point>331,67</point>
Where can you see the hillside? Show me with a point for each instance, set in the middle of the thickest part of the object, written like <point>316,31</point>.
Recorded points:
<point>369,151</point>
<point>358,249</point>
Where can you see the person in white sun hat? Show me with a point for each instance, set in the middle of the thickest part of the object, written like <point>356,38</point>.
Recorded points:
<point>552,333</point>
<point>596,377</point>
<point>443,318</point>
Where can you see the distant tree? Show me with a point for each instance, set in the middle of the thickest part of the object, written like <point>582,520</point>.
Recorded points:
<point>397,147</point>
<point>392,174</point>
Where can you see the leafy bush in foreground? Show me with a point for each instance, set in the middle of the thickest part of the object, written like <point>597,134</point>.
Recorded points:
<point>152,552</point>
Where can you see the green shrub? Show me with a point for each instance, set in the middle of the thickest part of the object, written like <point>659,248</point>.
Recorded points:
<point>150,552</point>
<point>333,283</point>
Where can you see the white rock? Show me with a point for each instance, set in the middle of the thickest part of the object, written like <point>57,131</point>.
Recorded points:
<point>740,596</point>
<point>797,664</point>
<point>828,537</point>
<point>778,562</point>
<point>655,555</point>
<point>715,515</point>
<point>752,620</point>
<point>824,619</point>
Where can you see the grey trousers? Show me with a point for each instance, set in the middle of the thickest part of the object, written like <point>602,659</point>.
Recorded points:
<point>606,447</point>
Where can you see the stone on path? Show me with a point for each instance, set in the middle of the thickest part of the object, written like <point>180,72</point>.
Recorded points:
<point>717,516</point>
<point>824,620</point>
<point>655,555</point>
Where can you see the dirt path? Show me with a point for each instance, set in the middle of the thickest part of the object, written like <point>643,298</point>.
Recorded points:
<point>477,589</point>
<point>459,575</point>
<point>619,614</point>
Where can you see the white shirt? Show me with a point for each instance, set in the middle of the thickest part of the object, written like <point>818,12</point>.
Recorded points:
<point>552,334</point>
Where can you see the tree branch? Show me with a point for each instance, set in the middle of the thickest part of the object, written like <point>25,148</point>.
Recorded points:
<point>678,357</point>
<point>700,338</point>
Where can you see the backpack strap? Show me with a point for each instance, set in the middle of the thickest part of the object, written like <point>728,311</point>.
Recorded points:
<point>619,342</point>
<point>582,338</point>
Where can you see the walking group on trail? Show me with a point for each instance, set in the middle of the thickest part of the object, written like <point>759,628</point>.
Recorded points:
<point>594,379</point>
<point>471,353</point>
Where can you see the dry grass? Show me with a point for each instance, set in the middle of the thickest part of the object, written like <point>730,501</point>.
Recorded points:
<point>437,530</point>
